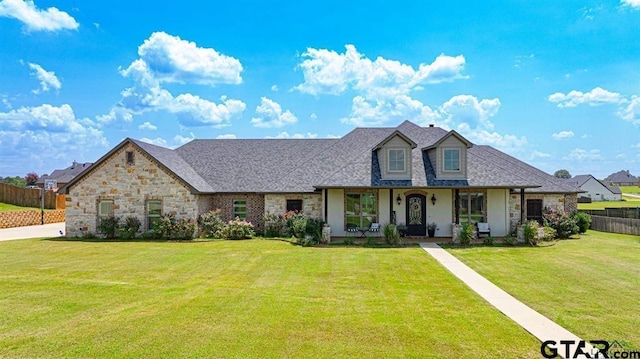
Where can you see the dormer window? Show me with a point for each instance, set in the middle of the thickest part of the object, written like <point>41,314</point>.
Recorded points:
<point>396,160</point>
<point>451,159</point>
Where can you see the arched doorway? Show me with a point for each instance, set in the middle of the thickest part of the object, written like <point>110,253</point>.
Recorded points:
<point>416,210</point>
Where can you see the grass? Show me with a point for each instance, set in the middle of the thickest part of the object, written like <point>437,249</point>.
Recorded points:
<point>4,207</point>
<point>589,286</point>
<point>630,190</point>
<point>254,298</point>
<point>627,203</point>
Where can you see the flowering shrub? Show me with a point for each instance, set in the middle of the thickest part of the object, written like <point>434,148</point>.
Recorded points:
<point>564,225</point>
<point>108,227</point>
<point>238,229</point>
<point>274,225</point>
<point>210,224</point>
<point>168,227</point>
<point>129,227</point>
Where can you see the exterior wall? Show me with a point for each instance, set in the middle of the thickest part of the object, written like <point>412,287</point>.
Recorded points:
<point>440,213</point>
<point>335,212</point>
<point>597,191</point>
<point>129,186</point>
<point>395,143</point>
<point>11,219</point>
<point>255,206</point>
<point>556,201</point>
<point>571,203</point>
<point>276,203</point>
<point>497,211</point>
<point>384,214</point>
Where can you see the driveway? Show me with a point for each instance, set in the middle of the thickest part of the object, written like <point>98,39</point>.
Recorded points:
<point>41,231</point>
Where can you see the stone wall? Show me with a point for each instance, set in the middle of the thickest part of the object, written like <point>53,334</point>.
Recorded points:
<point>571,203</point>
<point>129,186</point>
<point>557,202</point>
<point>277,203</point>
<point>255,206</point>
<point>11,219</point>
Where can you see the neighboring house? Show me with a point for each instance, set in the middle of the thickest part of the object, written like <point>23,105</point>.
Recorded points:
<point>59,178</point>
<point>622,178</point>
<point>594,189</point>
<point>407,174</point>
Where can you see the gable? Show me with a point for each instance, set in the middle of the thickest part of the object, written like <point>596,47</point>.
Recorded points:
<point>449,157</point>
<point>394,157</point>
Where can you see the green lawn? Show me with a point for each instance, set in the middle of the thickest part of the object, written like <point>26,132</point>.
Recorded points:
<point>9,207</point>
<point>629,202</point>
<point>242,299</point>
<point>591,285</point>
<point>630,189</point>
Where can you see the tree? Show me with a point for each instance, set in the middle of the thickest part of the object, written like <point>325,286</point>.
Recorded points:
<point>31,178</point>
<point>16,181</point>
<point>562,174</point>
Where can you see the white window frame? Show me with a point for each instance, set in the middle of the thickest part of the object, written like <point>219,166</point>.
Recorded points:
<point>149,215</point>
<point>103,215</point>
<point>404,161</point>
<point>240,214</point>
<point>444,160</point>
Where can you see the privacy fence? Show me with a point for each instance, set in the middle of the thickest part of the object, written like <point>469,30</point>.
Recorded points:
<point>616,220</point>
<point>28,197</point>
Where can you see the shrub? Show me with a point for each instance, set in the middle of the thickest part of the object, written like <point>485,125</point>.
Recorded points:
<point>466,234</point>
<point>295,224</point>
<point>168,227</point>
<point>274,225</point>
<point>238,229</point>
<point>210,224</point>
<point>391,234</point>
<point>349,240</point>
<point>530,232</point>
<point>564,225</point>
<point>149,235</point>
<point>89,235</point>
<point>109,227</point>
<point>583,220</point>
<point>488,241</point>
<point>508,240</point>
<point>549,233</point>
<point>314,228</point>
<point>129,228</point>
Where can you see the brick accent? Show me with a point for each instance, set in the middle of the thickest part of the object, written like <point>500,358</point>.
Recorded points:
<point>255,206</point>
<point>11,219</point>
<point>129,185</point>
<point>311,203</point>
<point>571,203</point>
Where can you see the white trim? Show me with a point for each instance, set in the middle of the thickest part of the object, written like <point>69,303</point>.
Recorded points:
<point>404,160</point>
<point>444,161</point>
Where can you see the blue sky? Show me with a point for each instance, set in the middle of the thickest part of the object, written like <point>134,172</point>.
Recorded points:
<point>556,84</point>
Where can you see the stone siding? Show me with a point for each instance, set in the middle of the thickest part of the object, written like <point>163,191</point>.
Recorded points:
<point>571,203</point>
<point>255,206</point>
<point>557,202</point>
<point>129,186</point>
<point>311,203</point>
<point>12,219</point>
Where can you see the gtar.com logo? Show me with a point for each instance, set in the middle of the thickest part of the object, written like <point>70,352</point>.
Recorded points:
<point>595,349</point>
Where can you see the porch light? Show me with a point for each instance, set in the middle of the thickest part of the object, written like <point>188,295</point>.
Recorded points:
<point>399,200</point>
<point>433,199</point>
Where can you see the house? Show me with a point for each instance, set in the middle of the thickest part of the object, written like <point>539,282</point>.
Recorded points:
<point>622,178</point>
<point>407,174</point>
<point>594,189</point>
<point>59,178</point>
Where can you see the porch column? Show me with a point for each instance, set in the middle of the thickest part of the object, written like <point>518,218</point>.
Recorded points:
<point>391,206</point>
<point>326,204</point>
<point>522,219</point>
<point>457,204</point>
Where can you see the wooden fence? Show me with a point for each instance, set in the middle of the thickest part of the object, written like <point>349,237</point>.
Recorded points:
<point>616,225</point>
<point>29,197</point>
<point>614,212</point>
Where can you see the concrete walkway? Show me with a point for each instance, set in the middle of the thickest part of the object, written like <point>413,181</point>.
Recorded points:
<point>44,231</point>
<point>533,322</point>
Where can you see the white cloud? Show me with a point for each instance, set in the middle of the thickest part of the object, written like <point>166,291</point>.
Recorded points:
<point>45,133</point>
<point>537,154</point>
<point>158,141</point>
<point>579,154</point>
<point>507,143</point>
<point>632,111</point>
<point>637,145</point>
<point>621,156</point>
<point>274,88</point>
<point>595,97</point>
<point>181,140</point>
<point>36,19</point>
<point>170,59</point>
<point>228,136</point>
<point>467,109</point>
<point>562,135</point>
<point>286,135</point>
<point>147,126</point>
<point>313,116</point>
<point>270,115</point>
<point>165,58</point>
<point>631,3</point>
<point>48,79</point>
<point>328,72</point>
<point>374,113</point>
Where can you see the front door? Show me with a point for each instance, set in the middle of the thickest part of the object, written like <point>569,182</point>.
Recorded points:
<point>416,215</point>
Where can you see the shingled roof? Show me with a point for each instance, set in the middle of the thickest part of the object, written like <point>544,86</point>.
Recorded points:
<point>306,165</point>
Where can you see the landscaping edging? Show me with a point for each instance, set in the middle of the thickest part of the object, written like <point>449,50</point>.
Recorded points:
<point>11,219</point>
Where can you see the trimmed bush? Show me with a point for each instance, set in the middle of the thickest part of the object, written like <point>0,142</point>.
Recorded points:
<point>274,225</point>
<point>168,227</point>
<point>564,225</point>
<point>108,227</point>
<point>530,232</point>
<point>583,220</point>
<point>210,224</point>
<point>391,235</point>
<point>129,227</point>
<point>238,229</point>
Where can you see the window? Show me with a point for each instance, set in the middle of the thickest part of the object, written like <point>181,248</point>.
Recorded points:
<point>451,159</point>
<point>154,212</point>
<point>396,160</point>
<point>472,206</point>
<point>361,209</point>
<point>294,205</point>
<point>240,208</point>
<point>130,158</point>
<point>105,210</point>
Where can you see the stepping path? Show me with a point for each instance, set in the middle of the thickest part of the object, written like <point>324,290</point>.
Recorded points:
<point>535,323</point>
